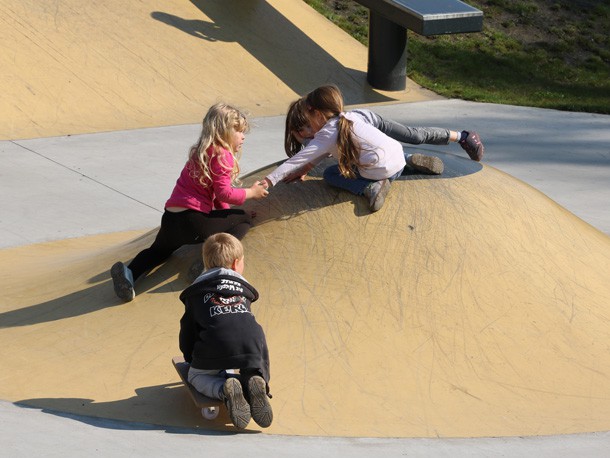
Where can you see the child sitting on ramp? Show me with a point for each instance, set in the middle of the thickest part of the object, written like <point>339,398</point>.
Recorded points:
<point>200,204</point>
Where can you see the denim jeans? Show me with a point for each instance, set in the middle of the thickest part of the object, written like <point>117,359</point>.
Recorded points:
<point>354,185</point>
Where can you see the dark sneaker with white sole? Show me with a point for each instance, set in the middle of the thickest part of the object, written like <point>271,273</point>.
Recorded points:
<point>122,278</point>
<point>473,145</point>
<point>239,410</point>
<point>430,165</point>
<point>260,407</point>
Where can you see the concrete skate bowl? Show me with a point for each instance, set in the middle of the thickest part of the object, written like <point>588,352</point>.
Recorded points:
<point>469,306</point>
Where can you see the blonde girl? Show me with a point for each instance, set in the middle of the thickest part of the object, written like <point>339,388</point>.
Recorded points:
<point>200,203</point>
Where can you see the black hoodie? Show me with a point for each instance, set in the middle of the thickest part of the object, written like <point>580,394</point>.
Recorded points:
<point>218,329</point>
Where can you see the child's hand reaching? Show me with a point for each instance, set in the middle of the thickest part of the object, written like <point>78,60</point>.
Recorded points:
<point>299,175</point>
<point>257,191</point>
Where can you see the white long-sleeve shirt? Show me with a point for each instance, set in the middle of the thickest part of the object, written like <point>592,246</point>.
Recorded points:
<point>380,156</point>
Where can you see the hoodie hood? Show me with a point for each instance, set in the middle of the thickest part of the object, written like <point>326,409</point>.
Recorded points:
<point>222,282</point>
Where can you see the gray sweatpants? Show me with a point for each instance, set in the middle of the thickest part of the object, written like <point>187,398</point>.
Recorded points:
<point>208,382</point>
<point>406,134</point>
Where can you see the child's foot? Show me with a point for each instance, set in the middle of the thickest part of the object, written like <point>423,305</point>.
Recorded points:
<point>473,145</point>
<point>194,271</point>
<point>376,192</point>
<point>123,281</point>
<point>429,165</point>
<point>239,410</point>
<point>259,402</point>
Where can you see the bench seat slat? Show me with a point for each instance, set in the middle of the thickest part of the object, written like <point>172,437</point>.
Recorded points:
<point>429,17</point>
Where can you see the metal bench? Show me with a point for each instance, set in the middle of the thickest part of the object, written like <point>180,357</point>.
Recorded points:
<point>388,24</point>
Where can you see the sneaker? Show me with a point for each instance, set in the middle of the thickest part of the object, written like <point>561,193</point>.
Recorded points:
<point>376,192</point>
<point>239,410</point>
<point>430,165</point>
<point>259,402</point>
<point>123,281</point>
<point>473,145</point>
<point>195,270</point>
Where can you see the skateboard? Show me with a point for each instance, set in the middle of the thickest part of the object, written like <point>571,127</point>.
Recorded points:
<point>209,407</point>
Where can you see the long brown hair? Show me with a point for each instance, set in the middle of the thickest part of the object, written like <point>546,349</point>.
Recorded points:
<point>296,119</point>
<point>328,100</point>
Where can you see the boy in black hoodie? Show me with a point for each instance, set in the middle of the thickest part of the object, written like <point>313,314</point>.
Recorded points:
<point>218,332</point>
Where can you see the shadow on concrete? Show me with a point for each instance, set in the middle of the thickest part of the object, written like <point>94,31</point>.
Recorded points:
<point>455,166</point>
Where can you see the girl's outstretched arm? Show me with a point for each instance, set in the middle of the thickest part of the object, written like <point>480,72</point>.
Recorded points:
<point>300,174</point>
<point>323,143</point>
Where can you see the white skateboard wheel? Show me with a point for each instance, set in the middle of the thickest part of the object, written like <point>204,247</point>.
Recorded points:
<point>209,413</point>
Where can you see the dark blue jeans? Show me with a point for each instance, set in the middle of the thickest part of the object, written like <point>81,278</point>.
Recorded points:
<point>354,185</point>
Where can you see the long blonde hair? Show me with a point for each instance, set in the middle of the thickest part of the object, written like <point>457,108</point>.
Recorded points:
<point>328,100</point>
<point>218,125</point>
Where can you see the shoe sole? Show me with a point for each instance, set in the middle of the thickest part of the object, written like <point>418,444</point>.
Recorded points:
<point>195,270</point>
<point>475,154</point>
<point>380,197</point>
<point>429,165</point>
<point>260,407</point>
<point>239,410</point>
<point>122,286</point>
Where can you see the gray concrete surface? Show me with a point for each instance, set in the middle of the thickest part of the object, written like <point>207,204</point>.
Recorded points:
<point>32,433</point>
<point>56,188</point>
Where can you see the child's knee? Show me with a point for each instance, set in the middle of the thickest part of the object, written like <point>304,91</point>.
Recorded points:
<point>331,172</point>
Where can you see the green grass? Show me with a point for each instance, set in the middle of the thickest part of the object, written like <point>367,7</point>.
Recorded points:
<point>548,54</point>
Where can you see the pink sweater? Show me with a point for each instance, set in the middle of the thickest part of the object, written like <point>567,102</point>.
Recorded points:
<point>189,193</point>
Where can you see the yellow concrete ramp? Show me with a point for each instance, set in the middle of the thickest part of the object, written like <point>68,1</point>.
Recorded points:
<point>468,306</point>
<point>72,67</point>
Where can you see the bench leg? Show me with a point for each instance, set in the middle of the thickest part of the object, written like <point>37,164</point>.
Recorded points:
<point>387,66</point>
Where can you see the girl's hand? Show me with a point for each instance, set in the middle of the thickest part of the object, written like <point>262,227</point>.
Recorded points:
<point>300,174</point>
<point>294,177</point>
<point>257,191</point>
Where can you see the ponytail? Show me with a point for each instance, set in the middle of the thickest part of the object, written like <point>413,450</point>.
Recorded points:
<point>328,100</point>
<point>348,147</point>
